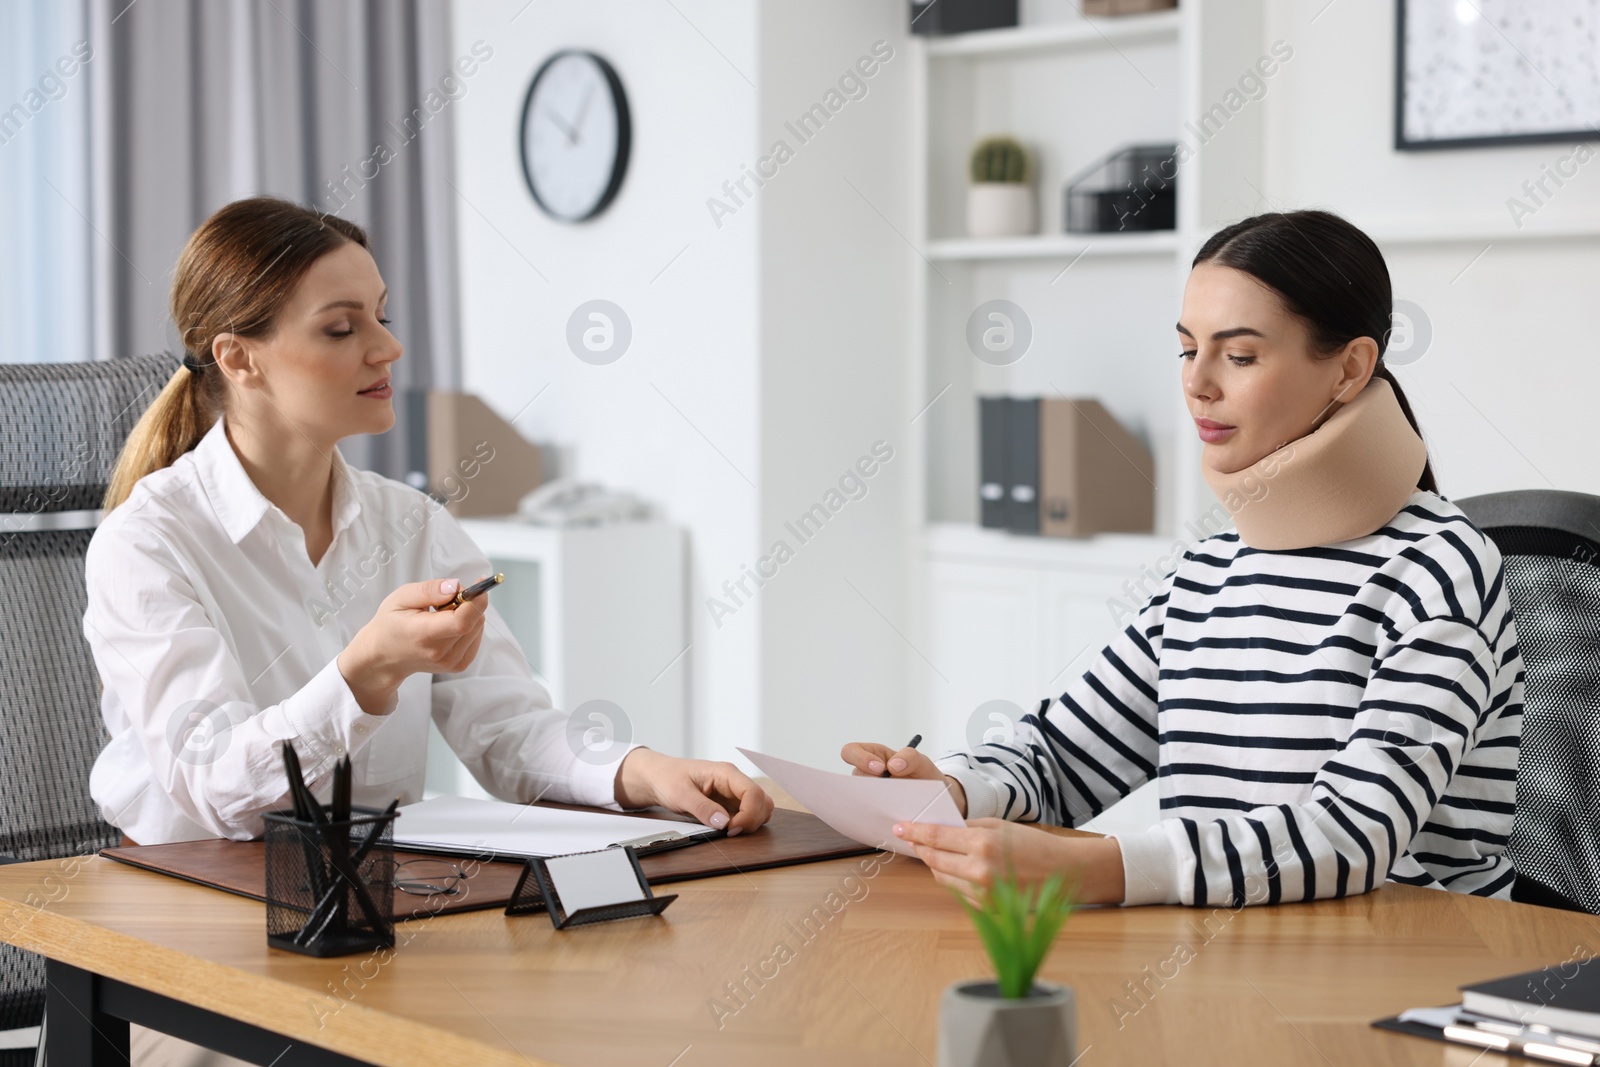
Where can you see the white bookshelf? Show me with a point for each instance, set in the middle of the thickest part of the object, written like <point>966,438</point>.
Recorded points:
<point>995,612</point>
<point>1102,305</point>
<point>1067,246</point>
<point>1065,36</point>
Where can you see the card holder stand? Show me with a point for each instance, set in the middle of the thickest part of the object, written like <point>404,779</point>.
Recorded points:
<point>535,892</point>
<point>330,885</point>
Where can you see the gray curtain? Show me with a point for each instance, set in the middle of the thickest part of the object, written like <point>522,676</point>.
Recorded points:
<point>201,102</point>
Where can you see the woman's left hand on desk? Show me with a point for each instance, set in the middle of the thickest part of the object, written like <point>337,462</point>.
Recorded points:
<point>709,790</point>
<point>968,858</point>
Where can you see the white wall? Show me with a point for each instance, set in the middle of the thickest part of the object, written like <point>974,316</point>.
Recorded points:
<point>770,353</point>
<point>1505,394</point>
<point>835,286</point>
<point>674,417</point>
<point>766,358</point>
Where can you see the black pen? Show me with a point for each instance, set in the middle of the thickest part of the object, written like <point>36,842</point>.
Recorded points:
<point>324,912</point>
<point>341,790</point>
<point>913,743</point>
<point>306,811</point>
<point>338,832</point>
<point>471,591</point>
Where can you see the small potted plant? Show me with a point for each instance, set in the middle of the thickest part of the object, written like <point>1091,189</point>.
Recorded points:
<point>1014,1021</point>
<point>1000,199</point>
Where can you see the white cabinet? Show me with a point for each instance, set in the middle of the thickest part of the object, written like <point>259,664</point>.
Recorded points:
<point>1015,619</point>
<point>983,643</point>
<point>600,613</point>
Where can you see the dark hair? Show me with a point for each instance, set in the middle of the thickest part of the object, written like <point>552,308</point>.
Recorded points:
<point>1329,274</point>
<point>235,274</point>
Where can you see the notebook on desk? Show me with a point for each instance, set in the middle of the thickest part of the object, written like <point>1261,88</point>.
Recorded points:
<point>789,837</point>
<point>497,830</point>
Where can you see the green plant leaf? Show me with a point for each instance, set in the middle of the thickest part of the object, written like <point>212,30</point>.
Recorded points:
<point>1019,924</point>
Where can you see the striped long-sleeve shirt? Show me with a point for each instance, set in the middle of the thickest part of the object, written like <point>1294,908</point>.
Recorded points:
<point>1319,720</point>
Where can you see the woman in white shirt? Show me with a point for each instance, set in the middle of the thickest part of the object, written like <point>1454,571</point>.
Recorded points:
<point>248,587</point>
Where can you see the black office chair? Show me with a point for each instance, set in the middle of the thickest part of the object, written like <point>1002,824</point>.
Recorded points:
<point>61,428</point>
<point>1551,544</point>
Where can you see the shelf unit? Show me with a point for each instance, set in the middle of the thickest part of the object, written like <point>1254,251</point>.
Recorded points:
<point>994,612</point>
<point>1058,36</point>
<point>1056,246</point>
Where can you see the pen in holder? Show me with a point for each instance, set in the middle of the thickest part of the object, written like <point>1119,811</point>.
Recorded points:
<point>330,881</point>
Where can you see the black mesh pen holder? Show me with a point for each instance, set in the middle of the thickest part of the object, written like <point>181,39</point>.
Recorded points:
<point>330,885</point>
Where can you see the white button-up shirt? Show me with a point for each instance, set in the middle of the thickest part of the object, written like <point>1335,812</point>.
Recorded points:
<point>216,639</point>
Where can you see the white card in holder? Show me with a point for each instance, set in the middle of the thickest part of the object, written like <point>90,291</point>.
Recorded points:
<point>586,887</point>
<point>593,879</point>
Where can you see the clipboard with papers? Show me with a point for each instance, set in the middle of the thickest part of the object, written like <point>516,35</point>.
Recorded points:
<point>466,827</point>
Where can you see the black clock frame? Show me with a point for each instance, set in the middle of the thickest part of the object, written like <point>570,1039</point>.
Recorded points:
<point>619,167</point>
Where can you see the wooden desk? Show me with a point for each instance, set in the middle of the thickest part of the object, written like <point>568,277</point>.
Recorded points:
<point>1294,984</point>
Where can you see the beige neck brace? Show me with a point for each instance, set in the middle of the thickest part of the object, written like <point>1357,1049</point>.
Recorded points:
<point>1345,479</point>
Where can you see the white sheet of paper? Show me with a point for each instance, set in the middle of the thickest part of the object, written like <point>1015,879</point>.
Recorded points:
<point>863,809</point>
<point>594,879</point>
<point>474,827</point>
<point>1439,1018</point>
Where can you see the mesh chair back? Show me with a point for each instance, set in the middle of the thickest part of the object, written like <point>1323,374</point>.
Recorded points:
<point>61,426</point>
<point>1551,545</point>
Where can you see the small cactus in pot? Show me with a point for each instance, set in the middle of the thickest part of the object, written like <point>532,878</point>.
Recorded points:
<point>1000,199</point>
<point>1000,159</point>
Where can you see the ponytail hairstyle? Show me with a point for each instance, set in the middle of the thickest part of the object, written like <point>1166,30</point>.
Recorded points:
<point>235,275</point>
<point>1328,274</point>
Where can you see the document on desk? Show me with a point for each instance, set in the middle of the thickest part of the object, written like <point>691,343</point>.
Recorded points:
<point>863,809</point>
<point>465,826</point>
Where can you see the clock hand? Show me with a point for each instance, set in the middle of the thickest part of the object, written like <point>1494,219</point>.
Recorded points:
<point>550,113</point>
<point>583,109</point>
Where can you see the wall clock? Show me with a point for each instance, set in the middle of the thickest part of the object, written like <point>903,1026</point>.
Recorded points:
<point>575,135</point>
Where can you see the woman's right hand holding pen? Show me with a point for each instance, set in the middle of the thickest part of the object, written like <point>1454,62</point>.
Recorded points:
<point>871,760</point>
<point>409,635</point>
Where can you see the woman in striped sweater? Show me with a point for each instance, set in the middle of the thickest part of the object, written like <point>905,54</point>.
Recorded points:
<point>1330,693</point>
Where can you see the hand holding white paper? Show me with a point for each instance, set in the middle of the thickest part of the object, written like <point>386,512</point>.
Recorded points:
<point>863,809</point>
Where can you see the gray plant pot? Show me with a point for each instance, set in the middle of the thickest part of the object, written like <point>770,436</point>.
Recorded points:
<point>980,1028</point>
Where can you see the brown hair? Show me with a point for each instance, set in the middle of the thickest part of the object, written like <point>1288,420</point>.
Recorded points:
<point>1329,274</point>
<point>234,275</point>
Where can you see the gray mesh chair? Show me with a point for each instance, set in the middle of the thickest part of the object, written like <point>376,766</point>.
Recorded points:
<point>1551,544</point>
<point>61,428</point>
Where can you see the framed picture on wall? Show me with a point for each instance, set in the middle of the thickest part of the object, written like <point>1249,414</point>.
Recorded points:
<point>1494,72</point>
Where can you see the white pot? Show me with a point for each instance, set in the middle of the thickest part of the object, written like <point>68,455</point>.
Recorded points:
<point>999,209</point>
<point>980,1028</point>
